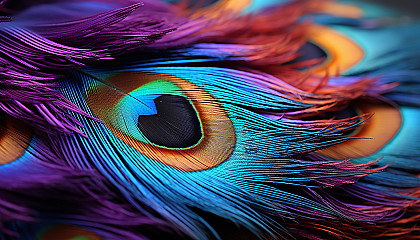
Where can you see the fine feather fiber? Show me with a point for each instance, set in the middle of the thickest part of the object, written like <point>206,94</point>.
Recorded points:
<point>243,119</point>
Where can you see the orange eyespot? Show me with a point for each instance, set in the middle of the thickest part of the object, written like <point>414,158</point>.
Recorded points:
<point>341,10</point>
<point>67,232</point>
<point>14,139</point>
<point>222,6</point>
<point>217,140</point>
<point>342,52</point>
<point>378,131</point>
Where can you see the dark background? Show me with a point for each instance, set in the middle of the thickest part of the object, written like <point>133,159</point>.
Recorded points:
<point>412,7</point>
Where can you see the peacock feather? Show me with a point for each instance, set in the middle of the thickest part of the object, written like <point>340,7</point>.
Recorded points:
<point>208,120</point>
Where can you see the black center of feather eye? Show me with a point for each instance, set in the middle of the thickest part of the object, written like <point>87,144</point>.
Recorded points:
<point>310,51</point>
<point>175,125</point>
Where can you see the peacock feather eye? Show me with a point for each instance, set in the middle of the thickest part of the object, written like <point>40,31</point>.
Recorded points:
<point>372,136</point>
<point>342,9</point>
<point>67,232</point>
<point>165,118</point>
<point>340,52</point>
<point>14,138</point>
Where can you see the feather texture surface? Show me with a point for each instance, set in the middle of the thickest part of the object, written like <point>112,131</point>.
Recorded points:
<point>208,120</point>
